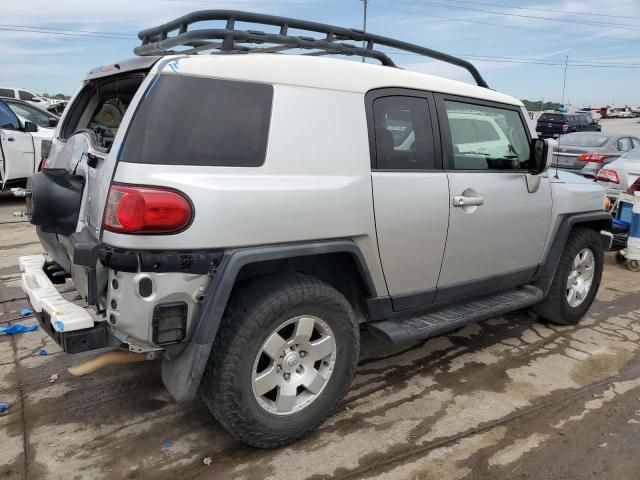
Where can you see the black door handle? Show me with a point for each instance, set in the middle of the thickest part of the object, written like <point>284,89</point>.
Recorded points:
<point>10,139</point>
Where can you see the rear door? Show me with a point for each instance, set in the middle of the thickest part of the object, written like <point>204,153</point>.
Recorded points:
<point>497,228</point>
<point>16,147</point>
<point>410,191</point>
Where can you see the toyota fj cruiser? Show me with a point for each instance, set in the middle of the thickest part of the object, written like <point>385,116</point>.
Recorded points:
<point>244,214</point>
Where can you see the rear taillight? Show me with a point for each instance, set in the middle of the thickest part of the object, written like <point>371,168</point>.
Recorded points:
<point>592,157</point>
<point>635,187</point>
<point>607,175</point>
<point>133,209</point>
<point>43,163</point>
<point>565,128</point>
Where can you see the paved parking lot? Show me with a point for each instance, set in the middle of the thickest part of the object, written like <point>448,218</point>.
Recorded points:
<point>507,398</point>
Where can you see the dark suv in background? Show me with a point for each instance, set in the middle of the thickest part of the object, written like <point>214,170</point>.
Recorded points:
<point>556,124</point>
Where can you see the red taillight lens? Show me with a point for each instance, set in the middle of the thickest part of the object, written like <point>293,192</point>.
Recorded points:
<point>635,187</point>
<point>132,209</point>
<point>43,163</point>
<point>608,175</point>
<point>592,157</point>
<point>565,128</point>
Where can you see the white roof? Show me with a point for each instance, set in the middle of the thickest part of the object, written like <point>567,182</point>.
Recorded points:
<point>325,73</point>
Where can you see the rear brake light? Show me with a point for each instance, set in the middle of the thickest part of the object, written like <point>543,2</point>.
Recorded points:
<point>635,187</point>
<point>608,175</point>
<point>592,157</point>
<point>565,128</point>
<point>133,209</point>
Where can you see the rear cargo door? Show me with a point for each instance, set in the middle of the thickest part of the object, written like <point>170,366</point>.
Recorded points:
<point>16,147</point>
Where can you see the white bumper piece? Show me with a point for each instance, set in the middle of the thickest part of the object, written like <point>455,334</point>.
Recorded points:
<point>44,296</point>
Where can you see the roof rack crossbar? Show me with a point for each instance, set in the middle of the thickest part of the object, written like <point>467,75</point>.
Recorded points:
<point>176,33</point>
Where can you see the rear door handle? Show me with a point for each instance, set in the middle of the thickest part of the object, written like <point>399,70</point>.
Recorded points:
<point>464,201</point>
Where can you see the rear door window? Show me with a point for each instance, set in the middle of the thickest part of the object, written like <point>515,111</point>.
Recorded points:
<point>7,92</point>
<point>403,133</point>
<point>201,121</point>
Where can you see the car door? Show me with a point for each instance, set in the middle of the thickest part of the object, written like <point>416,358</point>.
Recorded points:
<point>16,148</point>
<point>498,224</point>
<point>410,193</point>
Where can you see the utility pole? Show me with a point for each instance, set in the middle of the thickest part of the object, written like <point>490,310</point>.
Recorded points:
<point>564,83</point>
<point>364,23</point>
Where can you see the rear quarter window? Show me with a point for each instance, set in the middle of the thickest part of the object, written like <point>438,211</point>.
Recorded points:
<point>200,121</point>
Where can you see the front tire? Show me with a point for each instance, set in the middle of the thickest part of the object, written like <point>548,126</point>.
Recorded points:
<point>576,280</point>
<point>283,359</point>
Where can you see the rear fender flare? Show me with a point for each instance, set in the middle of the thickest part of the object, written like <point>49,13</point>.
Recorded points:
<point>182,373</point>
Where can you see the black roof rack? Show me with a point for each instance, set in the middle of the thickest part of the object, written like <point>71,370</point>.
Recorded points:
<point>158,41</point>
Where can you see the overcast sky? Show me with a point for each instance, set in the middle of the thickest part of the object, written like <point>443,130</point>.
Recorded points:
<point>604,33</point>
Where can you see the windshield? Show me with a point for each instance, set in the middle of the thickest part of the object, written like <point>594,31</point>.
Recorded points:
<point>582,140</point>
<point>551,117</point>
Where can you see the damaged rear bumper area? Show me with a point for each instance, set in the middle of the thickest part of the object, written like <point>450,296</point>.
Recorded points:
<point>71,326</point>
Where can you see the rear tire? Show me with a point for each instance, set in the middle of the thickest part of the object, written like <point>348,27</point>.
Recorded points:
<point>581,263</point>
<point>274,374</point>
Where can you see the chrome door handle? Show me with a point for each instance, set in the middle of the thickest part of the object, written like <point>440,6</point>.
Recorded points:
<point>463,201</point>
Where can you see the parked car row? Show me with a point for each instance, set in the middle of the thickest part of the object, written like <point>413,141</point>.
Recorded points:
<point>25,133</point>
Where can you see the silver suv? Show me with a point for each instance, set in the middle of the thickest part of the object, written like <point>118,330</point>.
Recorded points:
<point>245,214</point>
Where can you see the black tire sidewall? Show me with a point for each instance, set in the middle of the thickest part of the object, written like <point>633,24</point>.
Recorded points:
<point>584,239</point>
<point>256,311</point>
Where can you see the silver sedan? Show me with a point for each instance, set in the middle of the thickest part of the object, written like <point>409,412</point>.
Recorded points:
<point>619,175</point>
<point>585,153</point>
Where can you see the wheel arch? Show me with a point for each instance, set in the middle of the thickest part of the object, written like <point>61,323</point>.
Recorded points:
<point>182,368</point>
<point>598,221</point>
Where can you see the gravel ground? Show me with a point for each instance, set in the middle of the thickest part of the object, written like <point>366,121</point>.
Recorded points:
<point>506,398</point>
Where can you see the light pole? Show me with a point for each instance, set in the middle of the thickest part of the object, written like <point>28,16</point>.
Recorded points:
<point>564,83</point>
<point>364,23</point>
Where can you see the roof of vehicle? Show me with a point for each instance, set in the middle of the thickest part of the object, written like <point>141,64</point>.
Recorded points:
<point>600,134</point>
<point>321,72</point>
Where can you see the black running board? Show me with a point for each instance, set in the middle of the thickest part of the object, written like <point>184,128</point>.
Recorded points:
<point>449,318</point>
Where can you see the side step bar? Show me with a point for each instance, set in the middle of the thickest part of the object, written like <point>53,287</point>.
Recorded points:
<point>449,318</point>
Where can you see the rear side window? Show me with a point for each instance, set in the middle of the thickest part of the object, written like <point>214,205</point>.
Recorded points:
<point>404,137</point>
<point>25,95</point>
<point>201,121</point>
<point>6,92</point>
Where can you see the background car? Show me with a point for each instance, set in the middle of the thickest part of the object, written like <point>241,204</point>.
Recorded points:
<point>22,94</point>
<point>586,153</point>
<point>555,124</point>
<point>37,115</point>
<point>620,174</point>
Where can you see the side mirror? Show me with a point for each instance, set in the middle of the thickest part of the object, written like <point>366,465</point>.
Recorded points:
<point>30,127</point>
<point>37,100</point>
<point>541,155</point>
<point>53,122</point>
